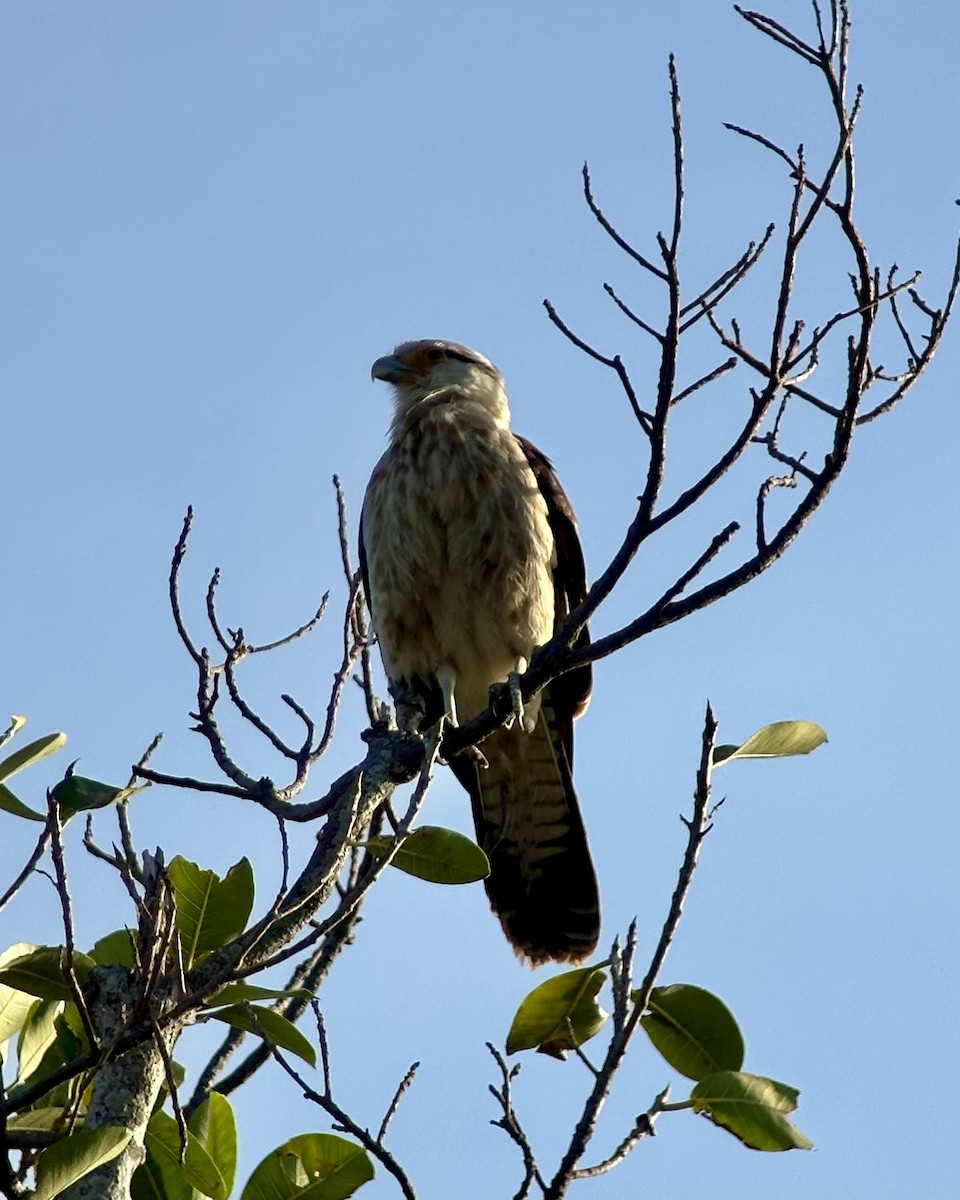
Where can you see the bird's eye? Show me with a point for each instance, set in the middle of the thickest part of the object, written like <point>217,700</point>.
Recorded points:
<point>434,355</point>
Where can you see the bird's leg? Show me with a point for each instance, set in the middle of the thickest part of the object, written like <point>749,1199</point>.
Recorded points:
<point>447,679</point>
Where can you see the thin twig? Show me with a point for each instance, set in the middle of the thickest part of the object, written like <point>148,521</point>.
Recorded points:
<point>346,1124</point>
<point>510,1124</point>
<point>614,234</point>
<point>28,868</point>
<point>697,828</point>
<point>69,953</point>
<point>174,586</point>
<point>395,1102</point>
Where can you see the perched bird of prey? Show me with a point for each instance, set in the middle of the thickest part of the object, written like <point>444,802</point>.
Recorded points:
<point>470,559</point>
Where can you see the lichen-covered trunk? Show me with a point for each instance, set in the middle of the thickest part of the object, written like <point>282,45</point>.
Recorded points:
<point>124,1091</point>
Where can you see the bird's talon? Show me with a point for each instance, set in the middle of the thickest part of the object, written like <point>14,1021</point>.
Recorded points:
<point>476,756</point>
<point>516,699</point>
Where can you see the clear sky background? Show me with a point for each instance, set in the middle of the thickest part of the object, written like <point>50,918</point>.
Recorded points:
<point>213,217</point>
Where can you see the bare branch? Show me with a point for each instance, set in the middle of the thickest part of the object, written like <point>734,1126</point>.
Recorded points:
<point>510,1124</point>
<point>614,234</point>
<point>642,1128</point>
<point>644,419</point>
<point>781,34</point>
<point>391,1112</point>
<point>307,627</point>
<point>698,826</point>
<point>727,365</point>
<point>631,315</point>
<point>174,585</point>
<point>212,612</point>
<point>721,287</point>
<point>69,970</point>
<point>769,485</point>
<point>344,1122</point>
<point>28,868</point>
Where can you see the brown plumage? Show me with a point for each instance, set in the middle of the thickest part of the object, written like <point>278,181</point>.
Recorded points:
<point>470,558</point>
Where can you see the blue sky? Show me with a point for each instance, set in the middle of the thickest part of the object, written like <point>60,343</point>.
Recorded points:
<point>214,217</point>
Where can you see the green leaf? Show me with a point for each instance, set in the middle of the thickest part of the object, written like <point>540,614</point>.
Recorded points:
<point>14,1002</point>
<point>782,739</point>
<point>435,854</point>
<point>27,755</point>
<point>63,1047</point>
<point>9,803</point>
<point>313,1166</point>
<point>116,947</point>
<point>559,1014</point>
<point>237,993</point>
<point>210,912</point>
<point>67,1045</point>
<point>177,1179</point>
<point>41,972</point>
<point>266,1023</point>
<point>75,794</point>
<point>693,1030</point>
<point>38,1120</point>
<point>214,1127</point>
<point>73,1022</point>
<point>752,1108</point>
<point>37,1035</point>
<point>73,1157</point>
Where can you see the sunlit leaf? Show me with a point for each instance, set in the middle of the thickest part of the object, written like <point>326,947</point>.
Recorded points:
<point>37,1035</point>
<point>68,1044</point>
<point>237,993</point>
<point>266,1023</point>
<point>17,722</point>
<point>214,1127</point>
<point>38,1120</point>
<point>435,854</point>
<point>14,1003</point>
<point>178,1179</point>
<point>9,803</point>
<point>693,1030</point>
<point>559,1014</point>
<point>41,972</point>
<point>116,947</point>
<point>211,912</point>
<point>779,740</point>
<point>752,1108</point>
<point>27,755</point>
<point>313,1166</point>
<point>73,1157</point>
<point>64,1046</point>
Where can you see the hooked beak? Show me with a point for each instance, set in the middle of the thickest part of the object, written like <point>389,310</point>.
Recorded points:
<point>390,369</point>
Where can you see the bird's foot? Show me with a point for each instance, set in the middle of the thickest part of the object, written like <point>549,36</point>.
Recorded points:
<point>473,753</point>
<point>409,704</point>
<point>477,757</point>
<point>526,714</point>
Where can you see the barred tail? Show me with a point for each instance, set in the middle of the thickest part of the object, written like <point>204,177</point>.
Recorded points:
<point>541,884</point>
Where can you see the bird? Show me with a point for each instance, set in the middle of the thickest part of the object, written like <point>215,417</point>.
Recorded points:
<point>470,559</point>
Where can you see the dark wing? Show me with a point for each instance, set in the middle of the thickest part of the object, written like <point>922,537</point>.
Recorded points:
<point>571,692</point>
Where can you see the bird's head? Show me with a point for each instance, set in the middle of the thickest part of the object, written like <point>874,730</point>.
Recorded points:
<point>421,369</point>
